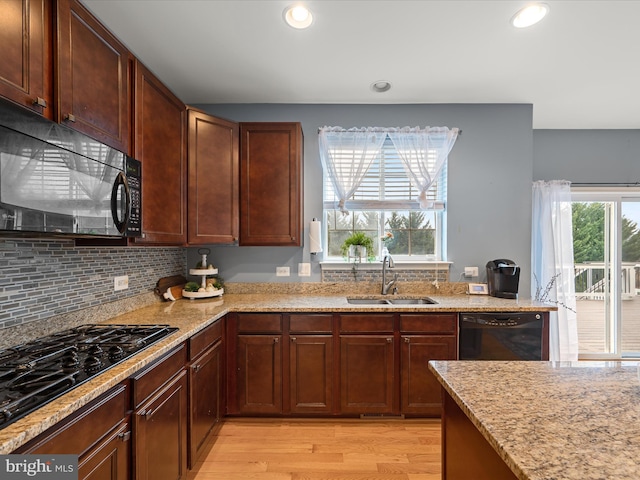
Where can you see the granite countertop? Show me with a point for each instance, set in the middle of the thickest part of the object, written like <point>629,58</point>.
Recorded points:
<point>191,316</point>
<point>551,420</point>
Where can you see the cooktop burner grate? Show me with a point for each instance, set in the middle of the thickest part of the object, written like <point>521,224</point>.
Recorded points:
<point>39,371</point>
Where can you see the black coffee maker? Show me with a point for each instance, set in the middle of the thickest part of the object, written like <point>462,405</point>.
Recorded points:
<point>503,277</point>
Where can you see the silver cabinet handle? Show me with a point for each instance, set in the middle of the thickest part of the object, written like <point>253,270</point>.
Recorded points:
<point>70,116</point>
<point>389,340</point>
<point>40,102</point>
<point>293,339</point>
<point>276,340</point>
<point>406,340</point>
<point>124,436</point>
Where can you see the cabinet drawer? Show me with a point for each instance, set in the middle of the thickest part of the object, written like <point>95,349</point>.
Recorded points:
<point>147,381</point>
<point>364,322</point>
<point>86,428</point>
<point>259,323</point>
<point>310,323</point>
<point>205,338</point>
<point>431,323</point>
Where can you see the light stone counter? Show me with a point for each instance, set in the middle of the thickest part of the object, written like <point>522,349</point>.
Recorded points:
<point>191,316</point>
<point>553,421</point>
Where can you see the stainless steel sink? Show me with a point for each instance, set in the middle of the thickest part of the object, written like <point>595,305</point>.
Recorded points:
<point>412,301</point>
<point>391,301</point>
<point>367,301</point>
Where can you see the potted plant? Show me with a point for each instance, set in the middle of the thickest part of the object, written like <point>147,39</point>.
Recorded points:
<point>357,246</point>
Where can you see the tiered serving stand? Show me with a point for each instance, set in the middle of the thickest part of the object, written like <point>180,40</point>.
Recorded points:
<point>204,273</point>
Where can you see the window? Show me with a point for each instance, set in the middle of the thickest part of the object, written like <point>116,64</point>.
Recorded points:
<point>606,244</point>
<point>386,201</point>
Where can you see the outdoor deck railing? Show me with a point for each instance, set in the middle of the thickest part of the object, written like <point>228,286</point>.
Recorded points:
<point>590,280</point>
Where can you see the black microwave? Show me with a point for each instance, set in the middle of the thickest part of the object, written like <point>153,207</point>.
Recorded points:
<point>54,181</point>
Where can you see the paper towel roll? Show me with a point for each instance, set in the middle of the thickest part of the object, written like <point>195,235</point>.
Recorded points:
<point>315,236</point>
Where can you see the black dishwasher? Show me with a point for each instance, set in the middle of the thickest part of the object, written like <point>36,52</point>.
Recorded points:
<point>501,336</point>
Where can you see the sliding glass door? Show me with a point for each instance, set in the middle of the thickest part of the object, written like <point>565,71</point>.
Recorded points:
<point>606,243</point>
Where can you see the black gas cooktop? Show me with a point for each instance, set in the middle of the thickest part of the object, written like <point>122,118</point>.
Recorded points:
<point>36,372</point>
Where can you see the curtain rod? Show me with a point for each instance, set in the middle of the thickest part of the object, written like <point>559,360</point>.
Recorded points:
<point>346,129</point>
<point>605,184</point>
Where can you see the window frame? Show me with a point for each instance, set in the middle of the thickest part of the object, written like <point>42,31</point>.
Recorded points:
<point>437,192</point>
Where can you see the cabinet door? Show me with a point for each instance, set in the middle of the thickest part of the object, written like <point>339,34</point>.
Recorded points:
<point>420,391</point>
<point>160,144</point>
<point>311,373</point>
<point>271,184</point>
<point>259,374</point>
<point>367,374</point>
<point>205,392</point>
<point>25,70</point>
<point>93,92</point>
<point>109,460</point>
<point>213,180</point>
<point>161,433</point>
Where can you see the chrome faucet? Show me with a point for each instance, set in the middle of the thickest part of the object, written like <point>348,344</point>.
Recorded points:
<point>388,261</point>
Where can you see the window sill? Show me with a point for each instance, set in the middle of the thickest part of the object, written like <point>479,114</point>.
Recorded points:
<point>377,264</point>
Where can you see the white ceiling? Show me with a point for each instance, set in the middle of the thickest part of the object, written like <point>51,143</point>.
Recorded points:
<point>580,67</point>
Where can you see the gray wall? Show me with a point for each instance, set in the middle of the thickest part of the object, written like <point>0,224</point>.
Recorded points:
<point>586,156</point>
<point>489,187</point>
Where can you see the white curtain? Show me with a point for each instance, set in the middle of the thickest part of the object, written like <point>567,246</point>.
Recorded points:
<point>346,156</point>
<point>552,267</point>
<point>423,153</point>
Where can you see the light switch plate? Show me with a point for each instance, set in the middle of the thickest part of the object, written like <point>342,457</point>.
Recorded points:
<point>304,269</point>
<point>282,271</point>
<point>470,271</point>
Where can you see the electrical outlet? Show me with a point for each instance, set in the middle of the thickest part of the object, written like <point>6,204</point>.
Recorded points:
<point>282,271</point>
<point>304,269</point>
<point>120,283</point>
<point>470,271</point>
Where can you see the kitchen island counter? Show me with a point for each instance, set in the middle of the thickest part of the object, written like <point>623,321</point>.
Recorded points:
<point>544,420</point>
<point>191,316</point>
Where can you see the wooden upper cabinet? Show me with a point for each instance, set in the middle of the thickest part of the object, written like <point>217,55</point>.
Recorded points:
<point>160,144</point>
<point>213,216</point>
<point>271,184</point>
<point>26,66</point>
<point>93,93</point>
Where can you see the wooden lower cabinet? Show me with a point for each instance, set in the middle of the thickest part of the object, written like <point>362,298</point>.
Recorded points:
<point>99,433</point>
<point>259,375</point>
<point>350,364</point>
<point>110,460</point>
<point>420,392</point>
<point>160,418</point>
<point>205,399</point>
<point>367,380</point>
<point>311,374</point>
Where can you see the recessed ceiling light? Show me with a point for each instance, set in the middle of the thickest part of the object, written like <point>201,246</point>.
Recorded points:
<point>380,86</point>
<point>298,16</point>
<point>530,15</point>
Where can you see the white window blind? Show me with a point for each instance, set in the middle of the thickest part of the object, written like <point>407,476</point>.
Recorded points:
<point>386,185</point>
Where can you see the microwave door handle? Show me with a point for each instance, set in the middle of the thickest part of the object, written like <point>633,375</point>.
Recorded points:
<point>120,180</point>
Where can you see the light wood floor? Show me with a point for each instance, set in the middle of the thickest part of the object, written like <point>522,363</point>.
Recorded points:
<point>292,449</point>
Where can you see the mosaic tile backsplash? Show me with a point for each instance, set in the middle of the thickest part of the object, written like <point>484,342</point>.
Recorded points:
<point>42,278</point>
